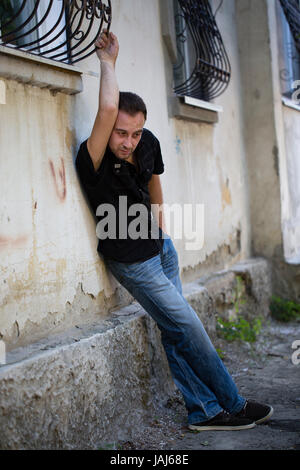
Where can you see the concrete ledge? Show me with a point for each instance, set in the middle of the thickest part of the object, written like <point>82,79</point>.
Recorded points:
<point>243,289</point>
<point>38,71</point>
<point>179,110</point>
<point>86,392</point>
<point>96,384</point>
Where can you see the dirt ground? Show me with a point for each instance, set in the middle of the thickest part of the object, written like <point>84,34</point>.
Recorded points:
<point>263,371</point>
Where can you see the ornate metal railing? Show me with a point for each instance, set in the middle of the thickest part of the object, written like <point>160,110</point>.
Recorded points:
<point>291,10</point>
<point>209,75</point>
<point>62,30</point>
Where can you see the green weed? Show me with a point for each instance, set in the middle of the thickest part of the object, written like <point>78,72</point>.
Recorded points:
<point>239,329</point>
<point>284,310</point>
<point>239,294</point>
<point>220,353</point>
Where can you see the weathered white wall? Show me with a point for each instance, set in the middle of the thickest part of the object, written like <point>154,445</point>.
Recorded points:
<point>51,275</point>
<point>291,222</point>
<point>271,138</point>
<point>210,165</point>
<point>44,262</point>
<point>263,128</point>
<point>287,125</point>
<point>204,163</point>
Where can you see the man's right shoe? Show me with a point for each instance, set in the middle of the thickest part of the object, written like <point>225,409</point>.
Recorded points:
<point>223,422</point>
<point>258,412</point>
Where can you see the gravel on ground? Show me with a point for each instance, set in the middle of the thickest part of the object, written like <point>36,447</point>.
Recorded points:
<point>265,371</point>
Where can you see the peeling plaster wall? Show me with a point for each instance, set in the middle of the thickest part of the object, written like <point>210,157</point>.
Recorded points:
<point>48,260</point>
<point>286,154</point>
<point>272,143</point>
<point>51,275</point>
<point>204,163</point>
<point>208,166</point>
<point>263,130</point>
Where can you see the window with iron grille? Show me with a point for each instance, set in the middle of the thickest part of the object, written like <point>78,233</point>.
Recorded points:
<point>62,30</point>
<point>289,16</point>
<point>202,70</point>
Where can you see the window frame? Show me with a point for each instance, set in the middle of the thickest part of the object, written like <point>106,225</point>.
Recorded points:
<point>42,25</point>
<point>67,30</point>
<point>203,69</point>
<point>182,106</point>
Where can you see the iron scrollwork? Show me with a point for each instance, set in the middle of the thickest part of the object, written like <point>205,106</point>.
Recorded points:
<point>291,44</point>
<point>64,30</point>
<point>209,74</point>
<point>287,75</point>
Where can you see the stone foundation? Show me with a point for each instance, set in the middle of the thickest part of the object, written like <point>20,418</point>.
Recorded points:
<point>96,384</point>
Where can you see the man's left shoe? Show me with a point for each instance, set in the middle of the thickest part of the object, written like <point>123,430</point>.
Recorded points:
<point>257,412</point>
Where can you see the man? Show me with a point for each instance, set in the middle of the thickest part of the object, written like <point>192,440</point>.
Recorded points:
<point>119,160</point>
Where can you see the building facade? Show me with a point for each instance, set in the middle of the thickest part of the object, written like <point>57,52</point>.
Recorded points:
<point>234,155</point>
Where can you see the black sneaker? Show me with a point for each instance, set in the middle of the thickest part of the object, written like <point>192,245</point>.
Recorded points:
<point>223,422</point>
<point>257,412</point>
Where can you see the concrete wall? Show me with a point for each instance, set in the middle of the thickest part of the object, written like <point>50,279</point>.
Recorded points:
<point>271,139</point>
<point>56,295</point>
<point>291,224</point>
<point>260,133</point>
<point>51,275</point>
<point>204,163</point>
<point>243,168</point>
<point>98,384</point>
<point>43,270</point>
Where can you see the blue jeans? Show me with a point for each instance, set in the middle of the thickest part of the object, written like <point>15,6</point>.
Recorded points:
<point>196,368</point>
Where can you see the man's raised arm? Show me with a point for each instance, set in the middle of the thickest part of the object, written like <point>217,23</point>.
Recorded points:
<point>107,51</point>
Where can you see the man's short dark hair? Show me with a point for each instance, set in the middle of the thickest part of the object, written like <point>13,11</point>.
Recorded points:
<point>132,104</point>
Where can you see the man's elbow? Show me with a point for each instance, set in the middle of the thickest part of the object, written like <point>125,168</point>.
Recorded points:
<point>108,109</point>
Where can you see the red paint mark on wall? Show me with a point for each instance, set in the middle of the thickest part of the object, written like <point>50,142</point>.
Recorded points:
<point>14,242</point>
<point>59,178</point>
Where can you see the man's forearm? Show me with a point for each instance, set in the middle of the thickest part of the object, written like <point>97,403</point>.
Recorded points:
<point>107,48</point>
<point>109,89</point>
<point>156,199</point>
<point>158,213</point>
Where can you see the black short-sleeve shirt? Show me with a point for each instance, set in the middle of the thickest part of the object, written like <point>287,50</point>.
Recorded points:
<point>121,184</point>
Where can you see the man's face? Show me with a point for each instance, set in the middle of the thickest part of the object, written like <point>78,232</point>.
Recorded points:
<point>126,134</point>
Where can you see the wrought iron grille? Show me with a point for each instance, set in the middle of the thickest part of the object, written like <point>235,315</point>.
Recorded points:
<point>291,10</point>
<point>62,30</point>
<point>203,70</point>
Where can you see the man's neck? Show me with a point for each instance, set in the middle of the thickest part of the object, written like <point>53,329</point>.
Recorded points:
<point>132,160</point>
